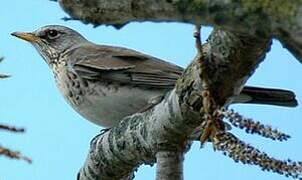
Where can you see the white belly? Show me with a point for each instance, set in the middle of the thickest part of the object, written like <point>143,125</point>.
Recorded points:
<point>101,103</point>
<point>109,105</point>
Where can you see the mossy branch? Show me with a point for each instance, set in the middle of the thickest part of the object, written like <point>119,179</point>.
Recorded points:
<point>263,18</point>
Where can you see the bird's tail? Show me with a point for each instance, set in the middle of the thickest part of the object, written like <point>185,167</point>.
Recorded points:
<point>269,96</point>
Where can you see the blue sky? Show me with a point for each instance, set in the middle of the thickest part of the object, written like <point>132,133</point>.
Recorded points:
<point>57,138</point>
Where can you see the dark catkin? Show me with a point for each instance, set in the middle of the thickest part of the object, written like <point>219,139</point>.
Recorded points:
<point>239,151</point>
<point>253,127</point>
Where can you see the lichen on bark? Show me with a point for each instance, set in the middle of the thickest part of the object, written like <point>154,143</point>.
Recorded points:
<point>262,18</point>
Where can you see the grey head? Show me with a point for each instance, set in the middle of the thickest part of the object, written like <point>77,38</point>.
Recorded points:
<point>52,41</point>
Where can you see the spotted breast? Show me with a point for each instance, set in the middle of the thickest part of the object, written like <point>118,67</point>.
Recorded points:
<point>101,102</point>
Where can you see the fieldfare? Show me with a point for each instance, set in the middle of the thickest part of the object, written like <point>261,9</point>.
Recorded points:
<point>106,83</point>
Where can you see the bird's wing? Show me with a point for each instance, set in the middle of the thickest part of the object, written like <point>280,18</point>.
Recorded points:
<point>115,64</point>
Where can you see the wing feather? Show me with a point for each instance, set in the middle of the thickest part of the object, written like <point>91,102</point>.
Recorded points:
<point>107,63</point>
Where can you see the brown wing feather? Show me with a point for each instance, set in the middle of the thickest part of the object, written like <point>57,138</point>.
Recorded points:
<point>123,65</point>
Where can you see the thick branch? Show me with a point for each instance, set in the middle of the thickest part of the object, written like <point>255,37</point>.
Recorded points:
<point>168,126</point>
<point>136,140</point>
<point>279,18</point>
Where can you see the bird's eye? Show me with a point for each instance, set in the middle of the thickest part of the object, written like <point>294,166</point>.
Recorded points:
<point>52,34</point>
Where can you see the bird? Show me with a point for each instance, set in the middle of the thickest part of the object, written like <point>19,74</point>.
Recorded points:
<point>106,83</point>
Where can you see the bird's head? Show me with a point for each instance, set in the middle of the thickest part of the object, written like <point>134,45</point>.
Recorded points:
<point>52,41</point>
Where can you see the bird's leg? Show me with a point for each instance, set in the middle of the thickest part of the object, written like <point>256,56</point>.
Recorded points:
<point>213,121</point>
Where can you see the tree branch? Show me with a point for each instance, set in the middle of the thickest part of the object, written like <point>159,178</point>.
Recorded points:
<point>166,128</point>
<point>281,19</point>
<point>169,165</point>
<point>241,37</point>
<point>6,151</point>
<point>11,128</point>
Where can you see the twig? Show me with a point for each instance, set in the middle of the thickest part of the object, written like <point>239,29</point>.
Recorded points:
<point>13,154</point>
<point>2,76</point>
<point>197,37</point>
<point>11,128</point>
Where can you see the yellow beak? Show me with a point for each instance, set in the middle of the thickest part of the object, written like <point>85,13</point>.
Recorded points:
<point>30,37</point>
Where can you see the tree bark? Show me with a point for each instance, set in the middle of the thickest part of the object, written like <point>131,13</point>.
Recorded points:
<point>279,18</point>
<point>242,35</point>
<point>167,127</point>
<point>163,133</point>
<point>169,165</point>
